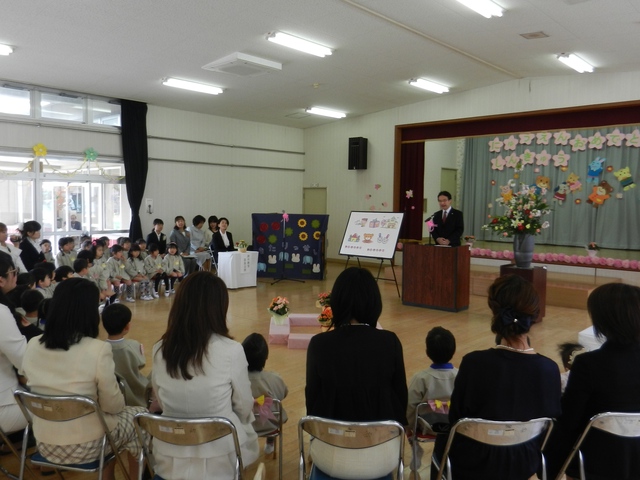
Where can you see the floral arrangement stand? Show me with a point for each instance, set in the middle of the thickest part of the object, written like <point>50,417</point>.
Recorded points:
<point>281,334</point>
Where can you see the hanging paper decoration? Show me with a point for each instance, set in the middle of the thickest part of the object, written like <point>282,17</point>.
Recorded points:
<point>543,138</point>
<point>615,138</point>
<point>526,138</point>
<point>560,193</point>
<point>574,183</point>
<point>377,186</point>
<point>40,150</point>
<point>561,159</point>
<point>595,169</point>
<point>633,138</point>
<point>495,145</point>
<point>624,177</point>
<point>90,154</point>
<point>578,143</point>
<point>561,138</point>
<point>498,163</point>
<point>597,141</point>
<point>543,158</point>
<point>510,143</point>
<point>600,193</point>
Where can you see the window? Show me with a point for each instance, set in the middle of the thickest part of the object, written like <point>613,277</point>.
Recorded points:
<point>15,100</point>
<point>62,107</point>
<point>105,113</point>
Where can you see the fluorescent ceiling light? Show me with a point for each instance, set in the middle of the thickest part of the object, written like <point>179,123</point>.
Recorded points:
<point>196,87</point>
<point>575,62</point>
<point>486,8</point>
<point>325,113</point>
<point>428,85</point>
<point>5,49</point>
<point>299,44</point>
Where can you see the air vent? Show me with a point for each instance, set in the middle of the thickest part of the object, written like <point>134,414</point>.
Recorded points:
<point>243,65</point>
<point>534,35</point>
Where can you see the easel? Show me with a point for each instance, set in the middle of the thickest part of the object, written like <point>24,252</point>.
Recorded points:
<point>394,279</point>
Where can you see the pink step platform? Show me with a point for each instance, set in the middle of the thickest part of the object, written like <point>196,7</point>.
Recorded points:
<point>281,334</point>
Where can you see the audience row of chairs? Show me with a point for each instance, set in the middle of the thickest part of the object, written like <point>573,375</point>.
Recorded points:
<point>348,435</point>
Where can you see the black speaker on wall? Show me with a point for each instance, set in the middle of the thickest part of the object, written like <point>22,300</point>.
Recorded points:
<point>357,153</point>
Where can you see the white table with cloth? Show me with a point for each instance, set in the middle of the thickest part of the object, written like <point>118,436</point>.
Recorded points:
<point>238,269</point>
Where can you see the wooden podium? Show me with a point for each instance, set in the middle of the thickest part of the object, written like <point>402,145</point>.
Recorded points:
<point>436,277</point>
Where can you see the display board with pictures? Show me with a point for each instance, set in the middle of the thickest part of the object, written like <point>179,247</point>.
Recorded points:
<point>371,234</point>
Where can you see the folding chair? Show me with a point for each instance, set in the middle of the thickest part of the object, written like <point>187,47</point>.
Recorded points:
<point>14,450</point>
<point>495,433</point>
<point>350,435</point>
<point>429,416</point>
<point>214,259</point>
<point>183,432</point>
<point>621,424</point>
<point>276,408</point>
<point>63,408</point>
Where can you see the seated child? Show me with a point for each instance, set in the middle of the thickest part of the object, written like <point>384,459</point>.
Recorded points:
<point>135,269</point>
<point>128,354</point>
<point>30,301</point>
<point>42,281</point>
<point>173,267</point>
<point>66,255</point>
<point>154,268</point>
<point>26,278</point>
<point>86,245</point>
<point>568,352</point>
<point>118,273</point>
<point>46,249</point>
<point>433,383</point>
<point>62,273</point>
<point>142,243</point>
<point>264,383</point>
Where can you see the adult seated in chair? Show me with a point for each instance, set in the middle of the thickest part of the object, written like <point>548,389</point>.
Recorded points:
<point>222,239</point>
<point>182,238</point>
<point>448,221</point>
<point>355,373</point>
<point>510,382</point>
<point>69,359</point>
<point>603,380</point>
<point>199,371</point>
<point>12,348</point>
<point>199,248</point>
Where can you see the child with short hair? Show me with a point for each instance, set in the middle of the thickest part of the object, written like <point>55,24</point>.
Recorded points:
<point>63,273</point>
<point>173,267</point>
<point>128,354</point>
<point>86,245</point>
<point>81,268</point>
<point>42,281</point>
<point>269,384</point>
<point>118,274</point>
<point>142,243</point>
<point>106,243</point>
<point>135,269</point>
<point>568,352</point>
<point>30,301</point>
<point>125,243</point>
<point>154,268</point>
<point>434,383</point>
<point>45,245</point>
<point>26,278</point>
<point>66,255</point>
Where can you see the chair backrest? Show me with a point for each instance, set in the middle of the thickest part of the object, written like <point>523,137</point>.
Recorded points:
<point>497,433</point>
<point>430,413</point>
<point>616,423</point>
<point>186,431</point>
<point>352,435</point>
<point>63,408</point>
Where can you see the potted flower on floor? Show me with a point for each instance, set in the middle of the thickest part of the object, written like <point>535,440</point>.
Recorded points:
<point>592,249</point>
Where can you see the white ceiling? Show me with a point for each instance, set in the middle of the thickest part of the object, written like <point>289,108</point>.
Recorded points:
<point>123,48</point>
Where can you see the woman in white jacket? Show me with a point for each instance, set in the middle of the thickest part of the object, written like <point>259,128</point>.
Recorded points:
<point>199,371</point>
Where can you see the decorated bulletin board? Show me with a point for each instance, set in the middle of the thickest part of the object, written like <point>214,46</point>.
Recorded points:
<point>290,245</point>
<point>371,234</point>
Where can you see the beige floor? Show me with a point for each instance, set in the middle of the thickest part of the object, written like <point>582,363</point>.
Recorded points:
<point>248,313</point>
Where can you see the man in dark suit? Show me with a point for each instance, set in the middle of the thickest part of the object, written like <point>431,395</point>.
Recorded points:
<point>448,221</point>
<point>157,237</point>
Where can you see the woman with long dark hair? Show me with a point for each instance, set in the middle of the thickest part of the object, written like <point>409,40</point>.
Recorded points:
<point>200,371</point>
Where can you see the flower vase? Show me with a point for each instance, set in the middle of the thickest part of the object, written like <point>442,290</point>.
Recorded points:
<point>523,244</point>
<point>242,250</point>
<point>592,253</point>
<point>280,319</point>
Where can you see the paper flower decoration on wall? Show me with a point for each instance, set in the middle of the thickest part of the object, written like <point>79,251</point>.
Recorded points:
<point>90,154</point>
<point>561,138</point>
<point>409,193</point>
<point>526,138</point>
<point>561,159</point>
<point>615,138</point>
<point>543,158</point>
<point>542,138</point>
<point>633,138</point>
<point>498,163</point>
<point>596,141</point>
<point>495,145</point>
<point>377,186</point>
<point>510,143</point>
<point>40,150</point>
<point>578,143</point>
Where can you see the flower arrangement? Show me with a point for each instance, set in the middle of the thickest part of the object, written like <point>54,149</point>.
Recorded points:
<point>241,244</point>
<point>324,300</point>
<point>593,246</point>
<point>470,239</point>
<point>326,316</point>
<point>279,306</point>
<point>523,214</point>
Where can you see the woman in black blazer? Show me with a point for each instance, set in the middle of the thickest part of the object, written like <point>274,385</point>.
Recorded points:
<point>31,252</point>
<point>222,239</point>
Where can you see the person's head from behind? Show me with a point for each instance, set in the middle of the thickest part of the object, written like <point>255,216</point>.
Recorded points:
<point>514,305</point>
<point>86,245</point>
<point>26,278</point>
<point>355,297</point>
<point>614,309</point>
<point>8,273</point>
<point>116,319</point>
<point>30,301</point>
<point>568,351</point>
<point>72,314</point>
<point>81,266</point>
<point>441,345</point>
<point>63,272</point>
<point>41,277</point>
<point>199,310</point>
<point>256,350</point>
<point>86,255</point>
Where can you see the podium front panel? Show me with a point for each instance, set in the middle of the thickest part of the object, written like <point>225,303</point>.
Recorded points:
<point>436,277</point>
